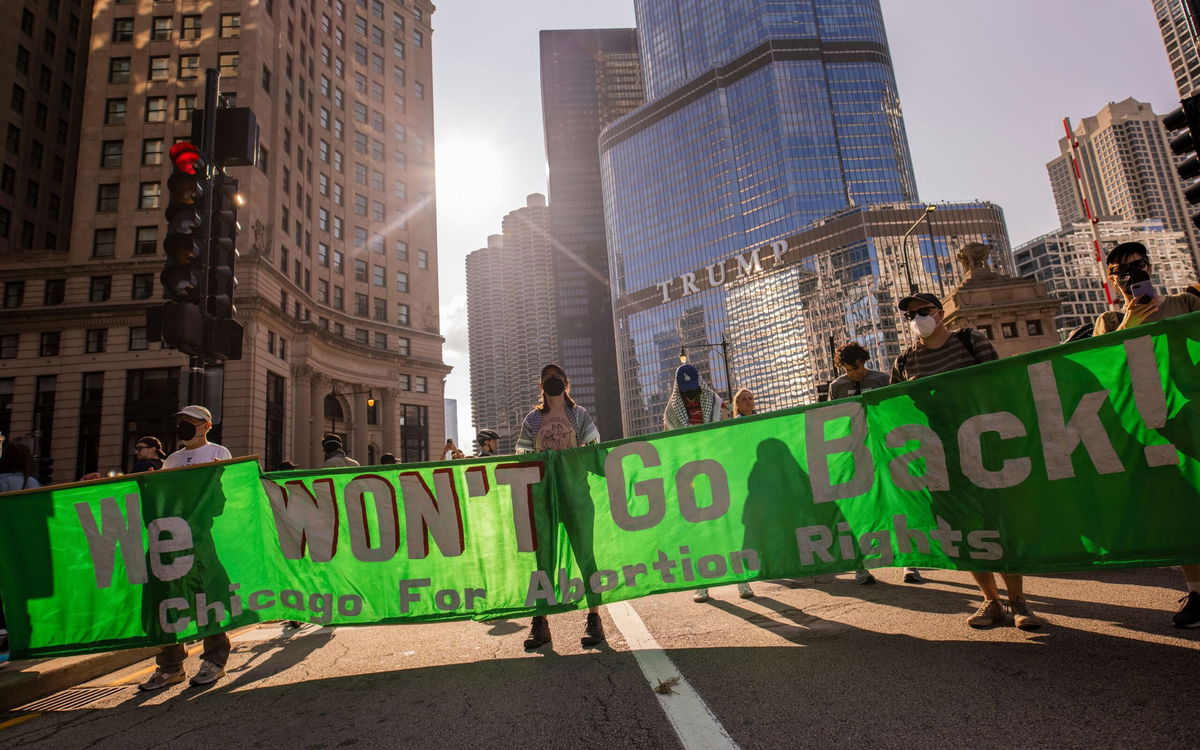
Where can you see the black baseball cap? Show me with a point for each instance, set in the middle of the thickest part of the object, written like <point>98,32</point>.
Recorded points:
<point>925,297</point>
<point>1123,249</point>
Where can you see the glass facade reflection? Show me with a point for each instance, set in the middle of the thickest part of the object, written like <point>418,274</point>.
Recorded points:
<point>762,117</point>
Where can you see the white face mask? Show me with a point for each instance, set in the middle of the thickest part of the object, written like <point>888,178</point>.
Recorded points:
<point>923,326</point>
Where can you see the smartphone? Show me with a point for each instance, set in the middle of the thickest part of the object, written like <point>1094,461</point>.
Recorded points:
<point>1141,287</point>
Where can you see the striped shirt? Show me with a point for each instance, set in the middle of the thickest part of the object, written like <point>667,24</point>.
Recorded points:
<point>921,361</point>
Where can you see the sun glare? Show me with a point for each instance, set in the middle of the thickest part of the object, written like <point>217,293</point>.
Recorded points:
<point>467,166</point>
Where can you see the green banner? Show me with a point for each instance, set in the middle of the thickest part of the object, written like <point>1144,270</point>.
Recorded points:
<point>1071,458</point>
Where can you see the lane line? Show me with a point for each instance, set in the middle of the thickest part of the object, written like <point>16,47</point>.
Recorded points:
<point>18,720</point>
<point>694,723</point>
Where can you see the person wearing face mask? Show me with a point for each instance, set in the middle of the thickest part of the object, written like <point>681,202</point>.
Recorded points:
<point>858,378</point>
<point>1129,270</point>
<point>693,401</point>
<point>194,423</point>
<point>940,350</point>
<point>558,423</point>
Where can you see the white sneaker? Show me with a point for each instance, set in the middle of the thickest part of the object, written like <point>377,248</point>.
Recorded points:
<point>208,674</point>
<point>745,591</point>
<point>863,577</point>
<point>701,595</point>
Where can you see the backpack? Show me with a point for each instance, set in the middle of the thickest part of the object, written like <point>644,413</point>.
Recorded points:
<point>964,337</point>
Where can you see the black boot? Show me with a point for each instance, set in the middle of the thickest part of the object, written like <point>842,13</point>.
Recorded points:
<point>593,632</point>
<point>539,633</point>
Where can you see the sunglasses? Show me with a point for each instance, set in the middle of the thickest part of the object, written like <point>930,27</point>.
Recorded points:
<point>923,313</point>
<point>1123,269</point>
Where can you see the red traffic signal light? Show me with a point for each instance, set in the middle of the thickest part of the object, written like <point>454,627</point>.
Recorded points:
<point>186,157</point>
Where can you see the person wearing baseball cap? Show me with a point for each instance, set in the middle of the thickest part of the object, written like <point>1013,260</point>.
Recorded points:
<point>1129,270</point>
<point>335,455</point>
<point>194,423</point>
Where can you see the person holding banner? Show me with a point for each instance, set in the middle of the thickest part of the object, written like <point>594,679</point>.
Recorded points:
<point>856,380</point>
<point>940,350</point>
<point>558,423</point>
<point>1129,270</point>
<point>693,401</point>
<point>195,421</point>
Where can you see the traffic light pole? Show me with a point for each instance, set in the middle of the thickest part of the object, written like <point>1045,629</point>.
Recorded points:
<point>208,142</point>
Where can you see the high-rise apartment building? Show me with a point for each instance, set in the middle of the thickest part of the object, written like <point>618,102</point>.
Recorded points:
<point>1065,261</point>
<point>1127,167</point>
<point>590,78</point>
<point>511,320</point>
<point>761,117</point>
<point>338,268</point>
<point>1179,22</point>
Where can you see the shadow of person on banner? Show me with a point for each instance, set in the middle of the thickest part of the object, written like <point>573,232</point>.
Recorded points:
<point>197,496</point>
<point>575,509</point>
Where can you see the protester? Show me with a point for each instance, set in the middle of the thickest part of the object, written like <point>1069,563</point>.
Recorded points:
<point>285,466</point>
<point>148,455</point>
<point>489,442</point>
<point>693,401</point>
<point>387,458</point>
<point>557,423</point>
<point>457,454</point>
<point>334,455</point>
<point>856,380</point>
<point>16,468</point>
<point>940,350</point>
<point>743,403</point>
<point>192,429</point>
<point>1128,263</point>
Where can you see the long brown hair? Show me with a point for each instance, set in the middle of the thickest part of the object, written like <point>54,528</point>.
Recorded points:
<point>541,405</point>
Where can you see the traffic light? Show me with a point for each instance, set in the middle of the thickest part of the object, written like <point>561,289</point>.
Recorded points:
<point>1186,119</point>
<point>222,253</point>
<point>182,319</point>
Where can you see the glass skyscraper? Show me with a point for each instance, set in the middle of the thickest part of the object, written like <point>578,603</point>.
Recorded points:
<point>762,117</point>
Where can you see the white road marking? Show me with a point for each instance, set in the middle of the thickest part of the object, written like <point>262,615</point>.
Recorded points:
<point>689,715</point>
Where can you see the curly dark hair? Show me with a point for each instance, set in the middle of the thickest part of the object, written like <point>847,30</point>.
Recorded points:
<point>851,353</point>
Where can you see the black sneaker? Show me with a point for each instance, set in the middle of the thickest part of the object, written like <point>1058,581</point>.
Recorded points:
<point>539,633</point>
<point>593,632</point>
<point>1189,615</point>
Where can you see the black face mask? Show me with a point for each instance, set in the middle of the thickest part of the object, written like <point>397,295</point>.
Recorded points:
<point>185,430</point>
<point>691,395</point>
<point>554,386</point>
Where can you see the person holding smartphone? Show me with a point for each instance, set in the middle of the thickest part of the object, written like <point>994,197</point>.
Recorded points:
<point>1129,270</point>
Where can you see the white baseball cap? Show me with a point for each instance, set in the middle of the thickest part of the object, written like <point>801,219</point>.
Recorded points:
<point>195,411</point>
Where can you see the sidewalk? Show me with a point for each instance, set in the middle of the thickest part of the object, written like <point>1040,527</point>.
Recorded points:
<point>24,681</point>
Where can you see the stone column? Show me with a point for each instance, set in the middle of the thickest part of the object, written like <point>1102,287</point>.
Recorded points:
<point>317,424</point>
<point>387,406</point>
<point>302,419</point>
<point>359,407</point>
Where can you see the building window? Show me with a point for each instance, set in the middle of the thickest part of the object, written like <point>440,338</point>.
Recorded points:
<point>8,347</point>
<point>362,336</point>
<point>110,154</point>
<point>401,281</point>
<point>114,111</point>
<point>189,66</point>
<point>402,315</point>
<point>118,70</point>
<point>228,63</point>
<point>149,194</point>
<point>360,305</point>
<point>107,197</point>
<point>422,259</point>
<point>380,309</point>
<point>95,341</point>
<point>87,457</point>
<point>379,275</point>
<point>160,68</point>
<point>190,28</point>
<point>276,386</point>
<point>405,382</point>
<point>14,293</point>
<point>100,288</point>
<point>185,104</point>
<point>1033,327</point>
<point>122,30</point>
<point>414,433</point>
<point>987,331</point>
<point>156,109</point>
<point>152,152</point>
<point>104,243</point>
<point>1008,330</point>
<point>231,25</point>
<point>420,384</point>
<point>402,251</point>
<point>137,339</point>
<point>49,344</point>
<point>143,285</point>
<point>55,292</point>
<point>146,242</point>
<point>266,78</point>
<point>161,28</point>
<point>402,346</point>
<point>360,270</point>
<point>339,298</point>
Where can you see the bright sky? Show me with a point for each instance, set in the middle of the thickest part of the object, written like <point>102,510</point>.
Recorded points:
<point>984,86</point>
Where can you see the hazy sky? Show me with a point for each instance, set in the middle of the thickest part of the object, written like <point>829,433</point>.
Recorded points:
<point>984,85</point>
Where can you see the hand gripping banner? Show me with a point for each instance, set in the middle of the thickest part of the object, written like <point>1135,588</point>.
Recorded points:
<point>1077,457</point>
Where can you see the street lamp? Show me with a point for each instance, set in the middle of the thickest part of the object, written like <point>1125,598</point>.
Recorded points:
<point>904,245</point>
<point>334,392</point>
<point>724,345</point>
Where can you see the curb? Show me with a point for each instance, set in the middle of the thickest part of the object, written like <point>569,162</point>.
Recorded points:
<point>40,678</point>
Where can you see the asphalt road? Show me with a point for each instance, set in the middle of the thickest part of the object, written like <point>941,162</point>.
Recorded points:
<point>817,662</point>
